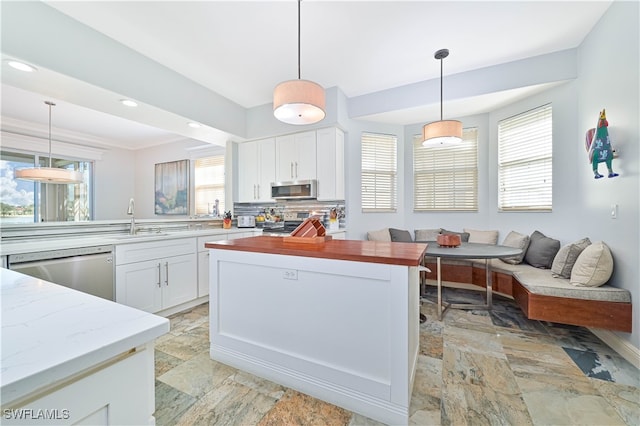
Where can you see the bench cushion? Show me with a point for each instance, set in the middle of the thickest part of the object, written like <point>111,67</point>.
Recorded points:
<point>540,281</point>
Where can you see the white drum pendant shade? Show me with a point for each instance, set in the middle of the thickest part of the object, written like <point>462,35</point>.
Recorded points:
<point>299,102</point>
<point>442,133</point>
<point>49,175</point>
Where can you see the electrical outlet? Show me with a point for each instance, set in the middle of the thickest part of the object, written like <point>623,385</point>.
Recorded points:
<point>290,274</point>
<point>614,211</point>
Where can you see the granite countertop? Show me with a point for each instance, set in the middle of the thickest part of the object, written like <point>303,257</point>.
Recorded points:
<point>407,254</point>
<point>50,332</point>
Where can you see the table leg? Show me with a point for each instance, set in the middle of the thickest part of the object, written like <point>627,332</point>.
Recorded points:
<point>439,280</point>
<point>487,268</point>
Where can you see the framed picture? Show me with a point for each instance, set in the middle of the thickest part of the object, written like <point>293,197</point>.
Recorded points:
<point>172,188</point>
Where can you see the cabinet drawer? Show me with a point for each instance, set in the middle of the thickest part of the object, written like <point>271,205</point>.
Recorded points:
<point>138,252</point>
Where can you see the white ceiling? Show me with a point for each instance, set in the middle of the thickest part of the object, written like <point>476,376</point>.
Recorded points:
<point>242,49</point>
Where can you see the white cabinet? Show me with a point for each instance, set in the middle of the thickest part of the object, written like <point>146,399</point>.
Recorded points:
<point>330,164</point>
<point>256,170</point>
<point>203,257</point>
<point>153,276</point>
<point>296,157</point>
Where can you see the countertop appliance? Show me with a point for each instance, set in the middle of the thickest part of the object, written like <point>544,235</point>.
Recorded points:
<point>246,221</point>
<point>296,190</point>
<point>86,269</point>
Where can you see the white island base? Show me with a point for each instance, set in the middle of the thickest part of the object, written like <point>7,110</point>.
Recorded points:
<point>343,331</point>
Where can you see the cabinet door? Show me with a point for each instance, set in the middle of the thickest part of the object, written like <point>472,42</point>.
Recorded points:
<point>305,161</point>
<point>267,166</point>
<point>203,273</point>
<point>139,285</point>
<point>330,163</point>
<point>285,158</point>
<point>247,172</point>
<point>180,282</point>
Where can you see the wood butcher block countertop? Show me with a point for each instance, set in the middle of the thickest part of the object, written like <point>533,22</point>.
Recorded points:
<point>406,254</point>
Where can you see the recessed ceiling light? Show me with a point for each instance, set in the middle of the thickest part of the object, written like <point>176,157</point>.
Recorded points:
<point>128,102</point>
<point>194,125</point>
<point>21,66</point>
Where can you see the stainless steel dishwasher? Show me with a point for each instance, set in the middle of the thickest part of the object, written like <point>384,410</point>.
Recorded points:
<point>86,269</point>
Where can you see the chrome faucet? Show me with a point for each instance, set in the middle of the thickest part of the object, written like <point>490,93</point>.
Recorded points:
<point>132,229</point>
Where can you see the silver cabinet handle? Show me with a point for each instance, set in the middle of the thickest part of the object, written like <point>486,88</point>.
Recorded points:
<point>166,269</point>
<point>258,197</point>
<point>254,191</point>
<point>291,169</point>
<point>296,169</point>
<point>159,275</point>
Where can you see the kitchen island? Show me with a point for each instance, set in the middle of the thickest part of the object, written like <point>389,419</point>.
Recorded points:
<point>72,358</point>
<point>336,320</point>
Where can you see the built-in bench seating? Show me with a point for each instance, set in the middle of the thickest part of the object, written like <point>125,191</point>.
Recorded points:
<point>542,296</point>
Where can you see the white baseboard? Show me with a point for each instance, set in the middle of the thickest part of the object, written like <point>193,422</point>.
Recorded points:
<point>624,348</point>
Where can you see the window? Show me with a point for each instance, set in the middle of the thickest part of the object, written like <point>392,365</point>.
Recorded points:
<point>209,184</point>
<point>379,169</point>
<point>25,201</point>
<point>525,161</point>
<point>446,179</point>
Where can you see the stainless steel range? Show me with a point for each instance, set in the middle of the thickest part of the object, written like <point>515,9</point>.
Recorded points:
<point>291,221</point>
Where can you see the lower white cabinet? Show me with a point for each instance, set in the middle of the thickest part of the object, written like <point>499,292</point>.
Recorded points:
<point>203,257</point>
<point>118,392</point>
<point>154,276</point>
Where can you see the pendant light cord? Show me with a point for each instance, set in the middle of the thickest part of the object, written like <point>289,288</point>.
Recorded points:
<point>50,105</point>
<point>299,39</point>
<point>440,89</point>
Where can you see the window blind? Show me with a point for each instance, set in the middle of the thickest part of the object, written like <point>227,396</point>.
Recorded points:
<point>379,172</point>
<point>209,183</point>
<point>525,161</point>
<point>446,179</point>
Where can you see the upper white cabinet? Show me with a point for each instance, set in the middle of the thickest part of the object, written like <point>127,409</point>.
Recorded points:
<point>296,157</point>
<point>256,170</point>
<point>330,164</point>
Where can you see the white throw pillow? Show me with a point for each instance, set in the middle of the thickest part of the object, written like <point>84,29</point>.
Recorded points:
<point>427,234</point>
<point>381,235</point>
<point>593,267</point>
<point>482,237</point>
<point>566,258</point>
<point>517,240</point>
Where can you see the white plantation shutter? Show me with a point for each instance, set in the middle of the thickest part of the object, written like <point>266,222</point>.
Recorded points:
<point>209,183</point>
<point>379,172</point>
<point>446,179</point>
<point>525,161</point>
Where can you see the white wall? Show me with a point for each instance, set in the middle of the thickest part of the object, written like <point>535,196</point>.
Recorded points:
<point>114,177</point>
<point>608,71</point>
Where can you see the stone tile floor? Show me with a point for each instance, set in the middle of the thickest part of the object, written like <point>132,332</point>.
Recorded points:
<point>475,367</point>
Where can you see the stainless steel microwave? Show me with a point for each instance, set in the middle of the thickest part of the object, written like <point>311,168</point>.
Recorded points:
<point>296,190</point>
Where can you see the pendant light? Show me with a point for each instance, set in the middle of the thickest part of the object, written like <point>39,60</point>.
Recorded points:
<point>49,174</point>
<point>299,101</point>
<point>442,133</point>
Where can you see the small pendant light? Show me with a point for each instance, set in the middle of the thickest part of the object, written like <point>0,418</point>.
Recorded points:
<point>49,174</point>
<point>442,133</point>
<point>299,101</point>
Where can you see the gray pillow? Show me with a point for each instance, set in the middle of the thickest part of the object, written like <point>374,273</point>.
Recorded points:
<point>400,235</point>
<point>542,250</point>
<point>566,258</point>
<point>517,240</point>
<point>427,234</point>
<point>464,236</point>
